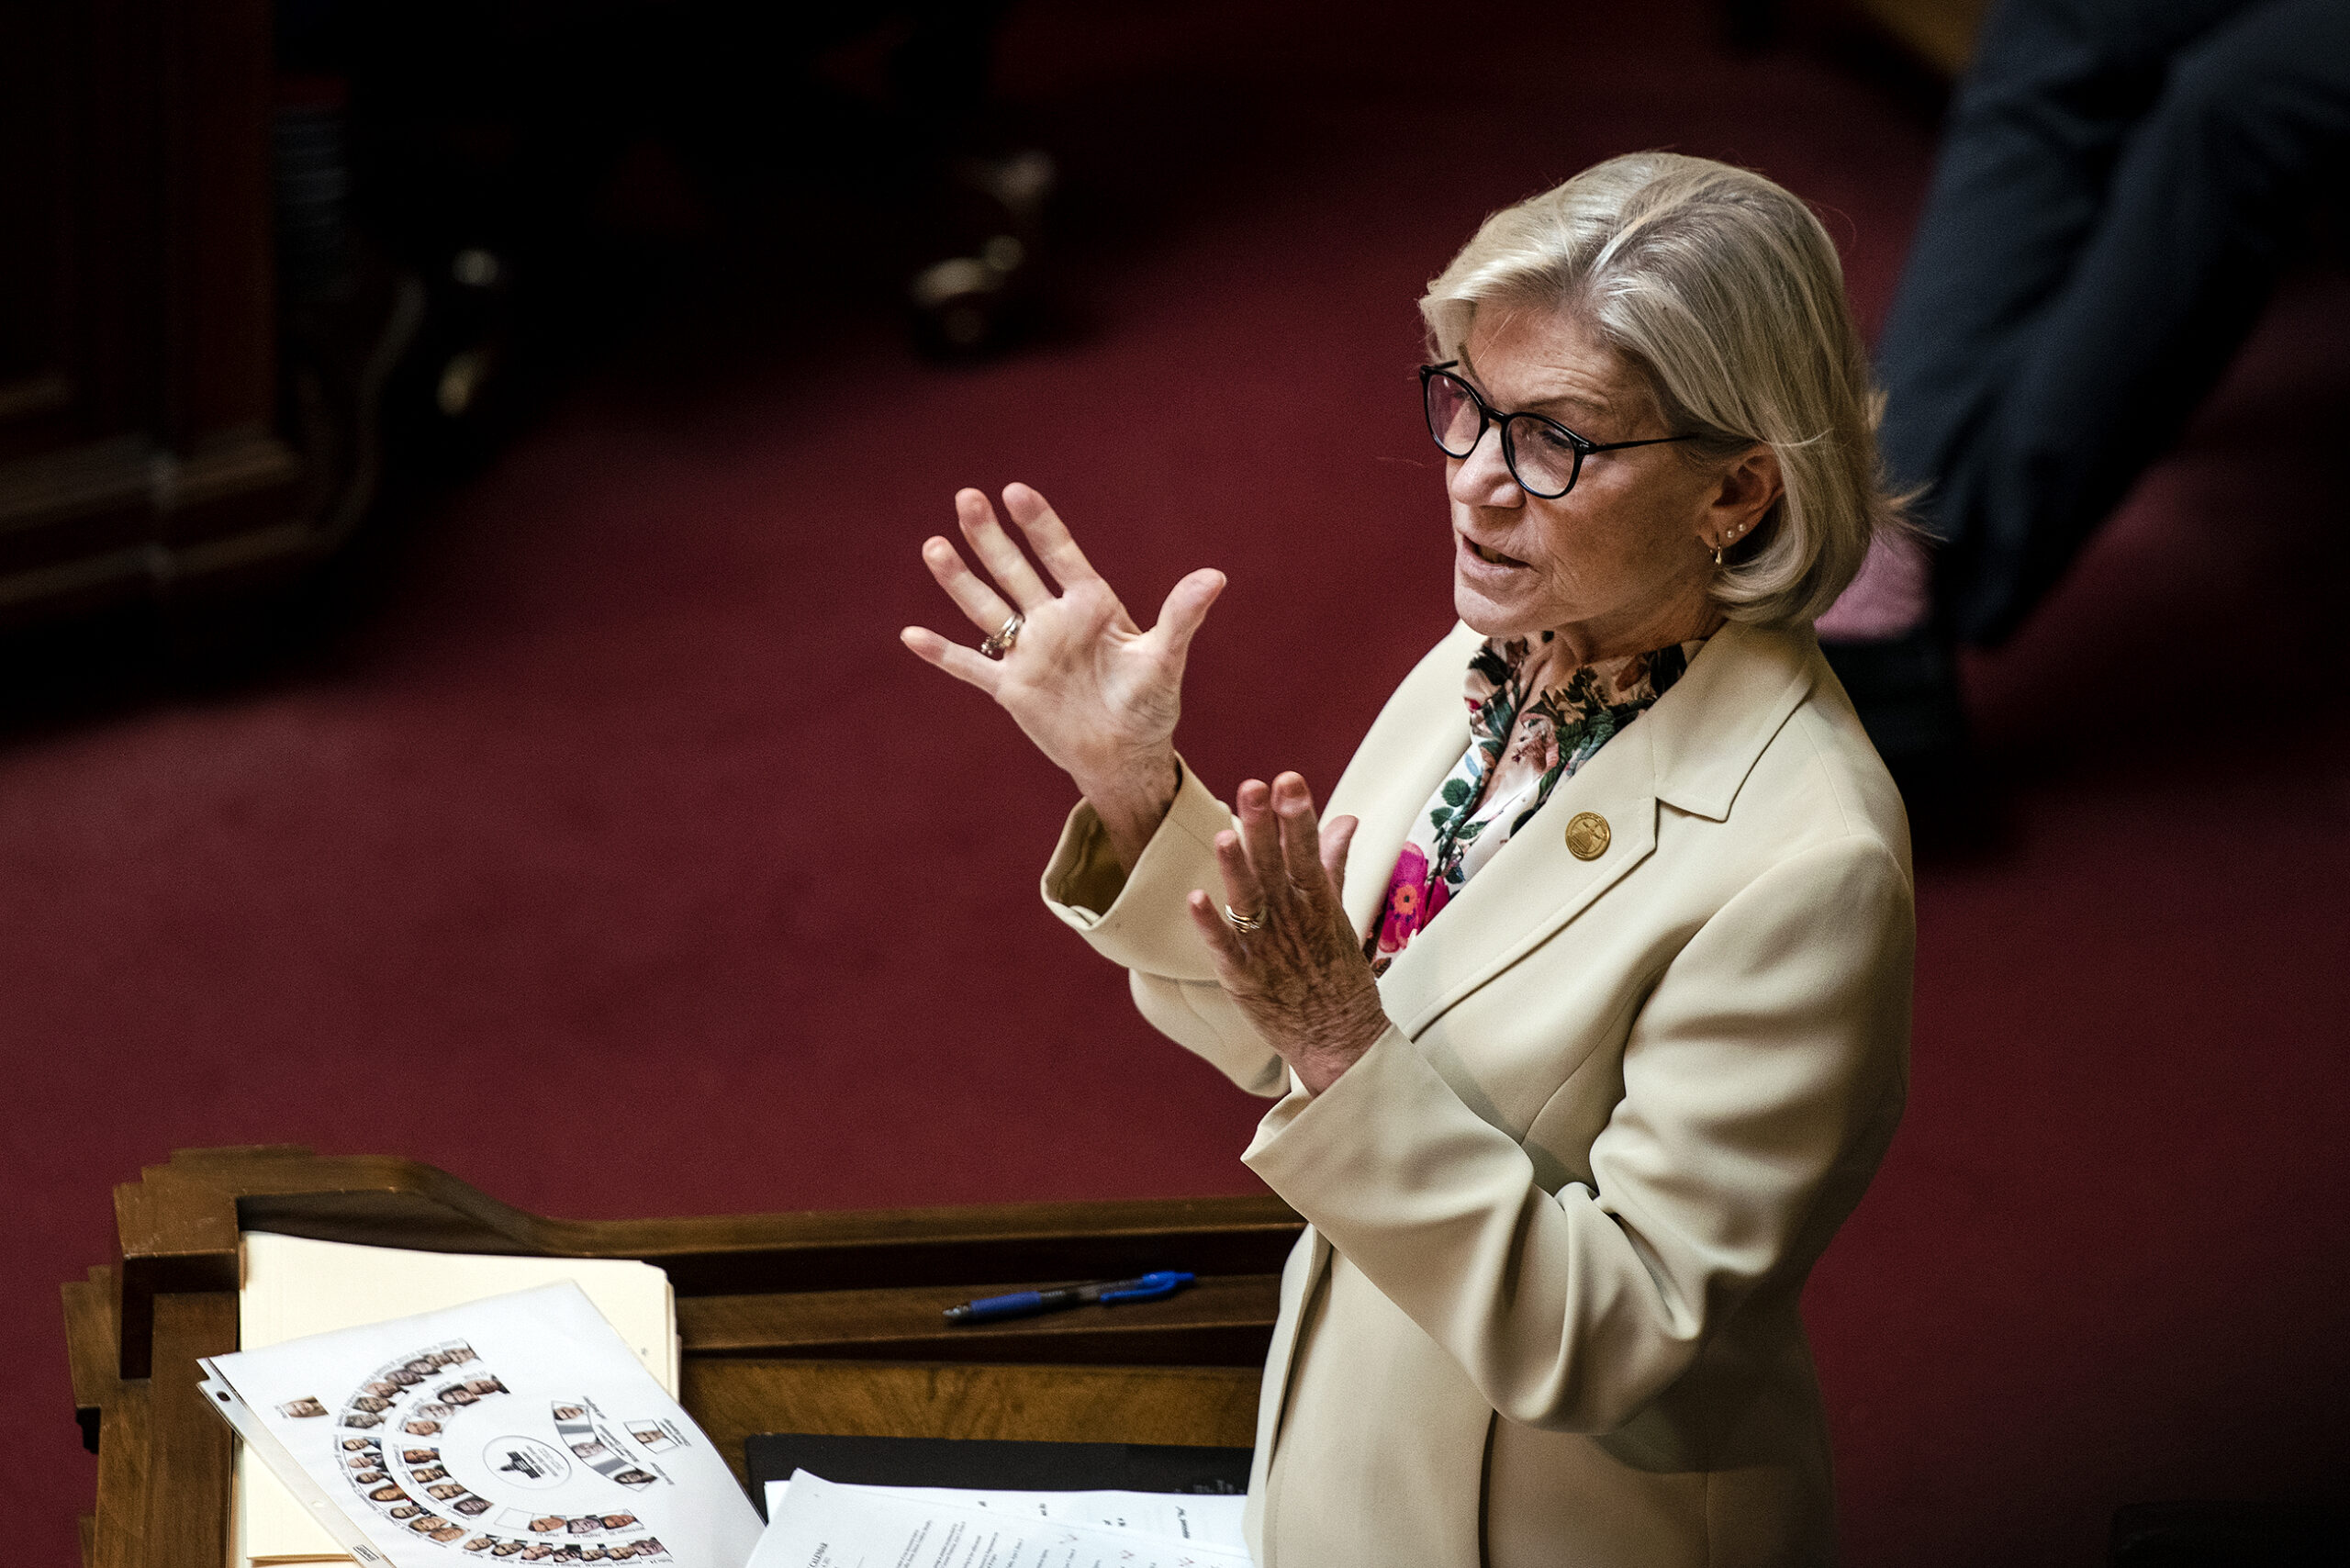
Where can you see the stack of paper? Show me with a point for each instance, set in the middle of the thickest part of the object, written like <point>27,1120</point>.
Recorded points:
<point>814,1523</point>
<point>522,1426</point>
<point>294,1287</point>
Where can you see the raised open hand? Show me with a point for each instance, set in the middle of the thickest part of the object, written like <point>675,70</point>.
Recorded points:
<point>1286,952</point>
<point>1097,694</point>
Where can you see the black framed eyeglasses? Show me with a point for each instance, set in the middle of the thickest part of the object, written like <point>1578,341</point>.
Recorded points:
<point>1544,456</point>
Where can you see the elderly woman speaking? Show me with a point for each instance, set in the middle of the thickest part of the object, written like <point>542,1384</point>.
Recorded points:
<point>1588,1004</point>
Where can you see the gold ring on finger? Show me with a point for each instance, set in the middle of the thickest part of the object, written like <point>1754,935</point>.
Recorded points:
<point>1244,923</point>
<point>995,647</point>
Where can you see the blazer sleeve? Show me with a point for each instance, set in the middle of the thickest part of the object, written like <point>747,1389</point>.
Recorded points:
<point>1761,1081</point>
<point>1139,920</point>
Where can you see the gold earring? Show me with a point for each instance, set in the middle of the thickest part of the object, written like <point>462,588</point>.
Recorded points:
<point>1717,554</point>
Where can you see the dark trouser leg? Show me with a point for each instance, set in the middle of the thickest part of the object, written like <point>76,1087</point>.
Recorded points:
<point>2017,194</point>
<point>2208,188</point>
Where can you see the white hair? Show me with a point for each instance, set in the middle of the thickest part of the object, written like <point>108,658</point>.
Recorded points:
<point>1724,291</point>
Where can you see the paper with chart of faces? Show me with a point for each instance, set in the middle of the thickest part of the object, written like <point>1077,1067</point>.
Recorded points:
<point>517,1429</point>
<point>814,1523</point>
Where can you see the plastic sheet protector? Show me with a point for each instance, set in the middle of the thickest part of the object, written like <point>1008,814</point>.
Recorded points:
<point>517,1429</point>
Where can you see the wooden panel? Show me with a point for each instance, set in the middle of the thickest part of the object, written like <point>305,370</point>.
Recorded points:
<point>177,1235</point>
<point>75,519</point>
<point>116,1535</point>
<point>189,1446</point>
<point>89,1343</point>
<point>119,257</point>
<point>733,1399</point>
<point>35,255</point>
<point>1220,1320</point>
<point>138,333</point>
<point>118,1538</point>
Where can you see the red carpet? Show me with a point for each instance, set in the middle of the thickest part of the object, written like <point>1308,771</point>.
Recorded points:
<point>624,865</point>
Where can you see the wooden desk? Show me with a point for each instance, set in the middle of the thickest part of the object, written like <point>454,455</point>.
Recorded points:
<point>796,1322</point>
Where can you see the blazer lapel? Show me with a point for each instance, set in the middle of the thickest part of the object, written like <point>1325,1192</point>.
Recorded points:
<point>1533,885</point>
<point>1691,751</point>
<point>1418,737</point>
<point>1713,724</point>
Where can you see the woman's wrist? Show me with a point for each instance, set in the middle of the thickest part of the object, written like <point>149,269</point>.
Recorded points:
<point>1337,1046</point>
<point>1131,807</point>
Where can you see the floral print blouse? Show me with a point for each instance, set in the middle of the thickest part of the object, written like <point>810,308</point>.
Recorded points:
<point>1534,718</point>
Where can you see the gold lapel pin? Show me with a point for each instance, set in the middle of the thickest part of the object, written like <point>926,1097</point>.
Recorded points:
<point>1587,836</point>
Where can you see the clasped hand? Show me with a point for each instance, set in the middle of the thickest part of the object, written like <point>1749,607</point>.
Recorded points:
<point>1099,697</point>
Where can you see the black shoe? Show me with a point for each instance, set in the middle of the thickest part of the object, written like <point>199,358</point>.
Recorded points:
<point>1905,691</point>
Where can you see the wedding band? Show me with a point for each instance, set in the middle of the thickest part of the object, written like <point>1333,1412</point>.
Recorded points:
<point>1244,923</point>
<point>995,647</point>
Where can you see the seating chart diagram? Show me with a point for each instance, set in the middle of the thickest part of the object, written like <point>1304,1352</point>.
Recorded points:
<point>518,1428</point>
<point>413,1448</point>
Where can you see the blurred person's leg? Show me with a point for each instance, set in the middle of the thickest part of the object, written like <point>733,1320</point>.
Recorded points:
<point>2209,191</point>
<point>2054,324</point>
<point>2018,190</point>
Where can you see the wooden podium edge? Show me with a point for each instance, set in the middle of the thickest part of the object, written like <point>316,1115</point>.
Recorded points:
<point>179,1223</point>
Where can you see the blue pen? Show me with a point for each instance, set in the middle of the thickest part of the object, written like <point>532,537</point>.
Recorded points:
<point>1021,1303</point>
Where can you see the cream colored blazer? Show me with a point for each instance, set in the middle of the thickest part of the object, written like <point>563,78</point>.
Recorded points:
<point>1560,1214</point>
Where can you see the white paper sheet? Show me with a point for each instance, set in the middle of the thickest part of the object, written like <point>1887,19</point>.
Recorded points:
<point>521,1429</point>
<point>1207,1517</point>
<point>812,1523</point>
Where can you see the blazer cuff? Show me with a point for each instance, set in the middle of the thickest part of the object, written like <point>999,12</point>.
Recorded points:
<point>1138,919</point>
<point>1386,1150</point>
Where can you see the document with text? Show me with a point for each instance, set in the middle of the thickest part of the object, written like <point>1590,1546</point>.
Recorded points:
<point>814,1523</point>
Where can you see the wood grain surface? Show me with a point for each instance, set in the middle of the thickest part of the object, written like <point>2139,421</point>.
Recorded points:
<point>116,1412</point>
<point>189,1446</point>
<point>735,1398</point>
